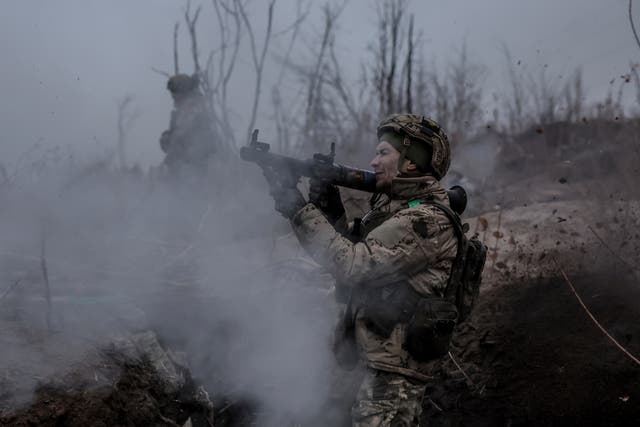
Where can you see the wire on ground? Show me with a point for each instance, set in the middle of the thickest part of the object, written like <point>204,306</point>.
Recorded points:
<point>604,331</point>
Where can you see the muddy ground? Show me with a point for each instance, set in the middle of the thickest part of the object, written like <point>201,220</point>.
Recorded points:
<point>532,354</point>
<point>538,358</point>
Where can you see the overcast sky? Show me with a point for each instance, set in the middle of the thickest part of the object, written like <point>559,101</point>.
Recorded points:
<point>65,63</point>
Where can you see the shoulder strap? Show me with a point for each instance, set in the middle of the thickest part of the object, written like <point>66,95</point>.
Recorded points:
<point>450,290</point>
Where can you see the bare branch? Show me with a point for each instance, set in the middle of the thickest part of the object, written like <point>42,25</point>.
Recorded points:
<point>45,278</point>
<point>236,48</point>
<point>339,86</point>
<point>125,119</point>
<point>515,103</point>
<point>469,381</point>
<point>4,174</point>
<point>258,62</point>
<point>409,66</point>
<point>162,73</point>
<point>224,70</point>
<point>633,27</point>
<point>387,79</point>
<point>191,25</point>
<point>636,80</point>
<point>223,40</point>
<point>314,80</point>
<point>10,288</point>
<point>282,119</point>
<point>396,15</point>
<point>300,17</point>
<point>176,67</point>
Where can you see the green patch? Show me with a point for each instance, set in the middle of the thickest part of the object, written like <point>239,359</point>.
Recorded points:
<point>413,203</point>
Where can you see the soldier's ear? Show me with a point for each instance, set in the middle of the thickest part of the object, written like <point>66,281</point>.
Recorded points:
<point>410,166</point>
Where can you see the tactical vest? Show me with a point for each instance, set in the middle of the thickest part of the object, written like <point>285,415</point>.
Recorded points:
<point>430,319</point>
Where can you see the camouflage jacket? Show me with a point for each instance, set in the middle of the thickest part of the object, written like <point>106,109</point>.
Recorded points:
<point>189,138</point>
<point>402,244</point>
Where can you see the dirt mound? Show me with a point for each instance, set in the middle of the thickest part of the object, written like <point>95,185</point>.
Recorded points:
<point>534,357</point>
<point>134,382</point>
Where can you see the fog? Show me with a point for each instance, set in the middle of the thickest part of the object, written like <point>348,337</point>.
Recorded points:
<point>65,64</point>
<point>210,267</point>
<point>209,277</point>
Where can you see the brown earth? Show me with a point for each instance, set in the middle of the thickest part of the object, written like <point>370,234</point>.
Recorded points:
<point>132,382</point>
<point>536,358</point>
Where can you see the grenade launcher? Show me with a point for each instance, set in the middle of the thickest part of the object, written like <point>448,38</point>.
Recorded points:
<point>322,167</point>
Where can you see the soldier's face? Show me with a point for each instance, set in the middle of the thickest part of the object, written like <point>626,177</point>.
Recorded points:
<point>385,164</point>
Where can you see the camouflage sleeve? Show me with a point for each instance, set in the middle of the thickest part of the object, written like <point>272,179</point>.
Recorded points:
<point>398,248</point>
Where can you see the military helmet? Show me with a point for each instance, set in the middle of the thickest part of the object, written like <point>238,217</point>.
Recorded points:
<point>417,129</point>
<point>182,83</point>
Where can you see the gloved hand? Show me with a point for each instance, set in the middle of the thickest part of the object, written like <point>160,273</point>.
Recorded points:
<point>327,198</point>
<point>288,199</point>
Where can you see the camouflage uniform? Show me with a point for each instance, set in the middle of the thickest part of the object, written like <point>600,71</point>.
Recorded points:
<point>388,399</point>
<point>188,143</point>
<point>404,245</point>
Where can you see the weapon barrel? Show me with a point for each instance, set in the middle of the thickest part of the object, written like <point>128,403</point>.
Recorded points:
<point>357,179</point>
<point>340,175</point>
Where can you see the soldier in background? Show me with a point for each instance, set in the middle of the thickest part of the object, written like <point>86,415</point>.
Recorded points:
<point>188,144</point>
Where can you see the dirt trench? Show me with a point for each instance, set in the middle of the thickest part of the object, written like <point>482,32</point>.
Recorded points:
<point>536,358</point>
<point>132,382</point>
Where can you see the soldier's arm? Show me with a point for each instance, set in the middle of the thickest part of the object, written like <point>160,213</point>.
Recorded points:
<point>399,247</point>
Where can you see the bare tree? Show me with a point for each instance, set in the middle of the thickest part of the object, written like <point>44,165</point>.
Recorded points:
<point>611,108</point>
<point>126,118</point>
<point>546,98</point>
<point>635,76</point>
<point>217,81</point>
<point>387,53</point>
<point>232,20</point>
<point>633,27</point>
<point>258,60</point>
<point>452,95</point>
<point>514,102</point>
<point>316,113</point>
<point>574,97</point>
<point>537,100</point>
<point>282,116</point>
<point>409,68</point>
<point>325,97</point>
<point>192,21</point>
<point>176,63</point>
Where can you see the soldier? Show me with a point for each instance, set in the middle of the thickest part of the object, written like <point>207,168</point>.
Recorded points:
<point>394,265</point>
<point>188,143</point>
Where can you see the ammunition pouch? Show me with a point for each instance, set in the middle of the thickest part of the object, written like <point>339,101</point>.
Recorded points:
<point>430,329</point>
<point>386,307</point>
<point>430,320</point>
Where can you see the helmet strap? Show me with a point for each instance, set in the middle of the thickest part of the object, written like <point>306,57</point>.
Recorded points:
<point>406,143</point>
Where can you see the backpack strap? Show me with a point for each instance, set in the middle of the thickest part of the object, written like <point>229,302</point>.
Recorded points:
<point>450,291</point>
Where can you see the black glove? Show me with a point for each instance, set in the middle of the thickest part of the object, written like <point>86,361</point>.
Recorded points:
<point>327,198</point>
<point>288,199</point>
